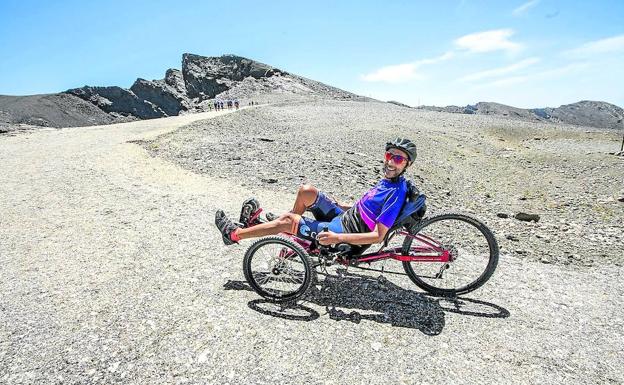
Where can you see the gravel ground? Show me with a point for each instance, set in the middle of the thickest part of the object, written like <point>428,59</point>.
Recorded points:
<point>112,272</point>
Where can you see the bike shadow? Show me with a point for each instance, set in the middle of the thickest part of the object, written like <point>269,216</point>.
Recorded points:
<point>374,299</point>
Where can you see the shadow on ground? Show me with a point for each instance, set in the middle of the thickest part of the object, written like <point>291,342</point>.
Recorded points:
<point>373,299</point>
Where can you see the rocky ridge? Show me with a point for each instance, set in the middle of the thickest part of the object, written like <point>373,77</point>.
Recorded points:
<point>584,113</point>
<point>192,89</point>
<point>201,81</point>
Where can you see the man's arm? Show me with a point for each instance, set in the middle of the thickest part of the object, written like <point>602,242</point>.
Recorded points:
<point>375,236</point>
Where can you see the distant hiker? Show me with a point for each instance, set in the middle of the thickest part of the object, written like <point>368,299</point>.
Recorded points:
<point>216,105</point>
<point>236,104</point>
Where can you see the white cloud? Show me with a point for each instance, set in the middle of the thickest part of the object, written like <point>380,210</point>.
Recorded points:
<point>488,41</point>
<point>403,72</point>
<point>500,71</point>
<point>544,75</point>
<point>523,9</point>
<point>610,44</point>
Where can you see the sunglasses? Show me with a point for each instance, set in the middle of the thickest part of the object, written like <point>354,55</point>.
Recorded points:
<point>397,159</point>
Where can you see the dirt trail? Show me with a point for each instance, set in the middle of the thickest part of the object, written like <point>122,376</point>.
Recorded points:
<point>111,271</point>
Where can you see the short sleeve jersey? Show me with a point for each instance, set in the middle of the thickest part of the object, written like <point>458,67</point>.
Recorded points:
<point>381,204</point>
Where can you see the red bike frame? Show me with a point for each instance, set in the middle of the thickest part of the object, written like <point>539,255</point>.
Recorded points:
<point>426,249</point>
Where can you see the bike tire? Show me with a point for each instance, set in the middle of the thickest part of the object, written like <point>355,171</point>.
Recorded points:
<point>492,261</point>
<point>272,295</point>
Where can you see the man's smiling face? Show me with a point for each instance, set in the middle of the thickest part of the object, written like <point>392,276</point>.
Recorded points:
<point>392,165</point>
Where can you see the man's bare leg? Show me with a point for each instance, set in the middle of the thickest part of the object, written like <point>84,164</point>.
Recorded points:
<point>306,196</point>
<point>286,223</point>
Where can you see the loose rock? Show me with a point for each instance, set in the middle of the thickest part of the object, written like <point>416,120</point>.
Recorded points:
<point>527,217</point>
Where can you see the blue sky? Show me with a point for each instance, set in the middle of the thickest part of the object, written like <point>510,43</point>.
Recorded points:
<point>529,53</point>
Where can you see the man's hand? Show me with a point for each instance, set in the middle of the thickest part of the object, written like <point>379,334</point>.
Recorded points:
<point>328,238</point>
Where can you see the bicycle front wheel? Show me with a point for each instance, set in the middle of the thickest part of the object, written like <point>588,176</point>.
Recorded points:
<point>277,268</point>
<point>472,248</point>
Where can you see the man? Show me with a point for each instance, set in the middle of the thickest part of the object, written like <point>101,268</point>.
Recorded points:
<point>365,223</point>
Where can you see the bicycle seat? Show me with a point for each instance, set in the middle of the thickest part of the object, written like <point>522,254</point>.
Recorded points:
<point>413,209</point>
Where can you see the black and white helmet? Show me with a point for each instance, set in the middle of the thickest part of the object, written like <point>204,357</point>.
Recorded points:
<point>404,145</point>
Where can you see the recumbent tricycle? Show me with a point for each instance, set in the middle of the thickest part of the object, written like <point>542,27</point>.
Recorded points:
<point>446,255</point>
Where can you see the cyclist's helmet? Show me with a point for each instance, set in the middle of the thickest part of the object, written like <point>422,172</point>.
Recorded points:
<point>404,145</point>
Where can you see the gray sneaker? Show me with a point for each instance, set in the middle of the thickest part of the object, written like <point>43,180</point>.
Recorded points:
<point>226,226</point>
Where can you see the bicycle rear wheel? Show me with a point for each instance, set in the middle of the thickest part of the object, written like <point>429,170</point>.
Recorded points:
<point>277,268</point>
<point>472,248</point>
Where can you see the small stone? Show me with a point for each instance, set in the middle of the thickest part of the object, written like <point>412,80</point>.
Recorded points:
<point>512,237</point>
<point>527,217</point>
<point>621,199</point>
<point>269,180</point>
<point>502,215</point>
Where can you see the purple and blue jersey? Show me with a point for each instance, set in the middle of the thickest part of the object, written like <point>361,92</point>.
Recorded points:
<point>382,203</point>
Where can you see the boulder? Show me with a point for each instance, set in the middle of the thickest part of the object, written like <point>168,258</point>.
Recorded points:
<point>119,100</point>
<point>161,94</point>
<point>208,76</point>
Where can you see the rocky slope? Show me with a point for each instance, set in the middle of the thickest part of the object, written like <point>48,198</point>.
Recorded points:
<point>51,110</point>
<point>583,113</point>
